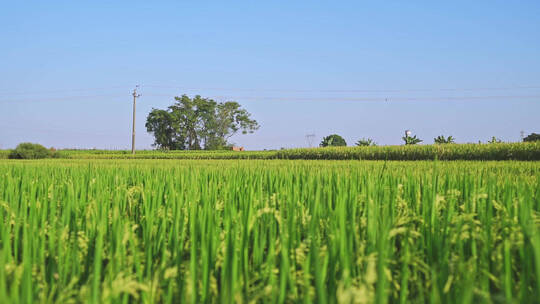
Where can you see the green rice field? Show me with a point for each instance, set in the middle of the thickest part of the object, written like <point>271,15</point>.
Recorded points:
<point>269,231</point>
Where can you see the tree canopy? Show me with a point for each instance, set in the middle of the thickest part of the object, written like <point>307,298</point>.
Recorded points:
<point>532,137</point>
<point>198,123</point>
<point>444,140</point>
<point>411,140</point>
<point>333,140</point>
<point>365,142</point>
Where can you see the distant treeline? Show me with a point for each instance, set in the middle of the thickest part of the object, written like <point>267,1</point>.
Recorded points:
<point>498,151</point>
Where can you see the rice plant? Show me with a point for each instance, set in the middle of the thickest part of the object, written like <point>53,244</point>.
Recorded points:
<point>269,231</point>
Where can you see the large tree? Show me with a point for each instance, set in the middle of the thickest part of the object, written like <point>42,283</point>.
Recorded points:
<point>198,123</point>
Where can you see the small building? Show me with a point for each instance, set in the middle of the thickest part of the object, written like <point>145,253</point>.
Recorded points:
<point>238,148</point>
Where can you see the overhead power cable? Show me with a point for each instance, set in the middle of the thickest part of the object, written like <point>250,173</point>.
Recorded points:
<point>30,92</point>
<point>365,98</point>
<point>296,98</point>
<point>61,98</point>
<point>150,86</point>
<point>528,87</point>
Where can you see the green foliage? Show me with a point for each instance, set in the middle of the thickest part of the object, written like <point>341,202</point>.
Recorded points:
<point>333,140</point>
<point>150,231</point>
<point>164,128</point>
<point>365,142</point>
<point>31,151</point>
<point>532,137</point>
<point>411,140</point>
<point>494,140</point>
<point>197,123</point>
<point>4,154</point>
<point>502,151</point>
<point>444,140</point>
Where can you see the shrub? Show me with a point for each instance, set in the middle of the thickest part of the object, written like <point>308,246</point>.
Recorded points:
<point>31,151</point>
<point>333,140</point>
<point>494,140</point>
<point>444,140</point>
<point>532,137</point>
<point>365,142</point>
<point>411,140</point>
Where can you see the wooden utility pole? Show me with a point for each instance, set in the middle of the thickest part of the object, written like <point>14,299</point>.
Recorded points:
<point>135,95</point>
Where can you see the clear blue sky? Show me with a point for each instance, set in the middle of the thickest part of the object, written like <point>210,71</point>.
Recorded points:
<point>67,68</point>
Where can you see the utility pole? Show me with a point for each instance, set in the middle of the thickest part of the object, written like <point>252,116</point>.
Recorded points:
<point>135,96</point>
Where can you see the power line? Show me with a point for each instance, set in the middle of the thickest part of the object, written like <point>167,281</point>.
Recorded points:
<point>296,98</point>
<point>60,91</point>
<point>69,98</point>
<point>367,98</point>
<point>524,87</point>
<point>99,89</point>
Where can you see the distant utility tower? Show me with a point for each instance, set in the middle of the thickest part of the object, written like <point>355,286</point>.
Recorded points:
<point>309,138</point>
<point>135,96</point>
<point>522,134</point>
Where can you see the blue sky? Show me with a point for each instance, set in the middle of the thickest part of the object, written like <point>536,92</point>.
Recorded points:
<point>470,69</point>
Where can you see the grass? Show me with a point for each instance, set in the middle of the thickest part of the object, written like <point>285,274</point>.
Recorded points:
<point>211,231</point>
